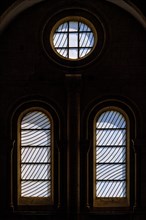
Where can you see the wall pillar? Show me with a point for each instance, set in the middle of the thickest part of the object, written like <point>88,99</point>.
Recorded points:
<point>73,144</point>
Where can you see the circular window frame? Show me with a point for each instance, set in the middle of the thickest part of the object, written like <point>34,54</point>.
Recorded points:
<point>74,19</point>
<point>89,19</point>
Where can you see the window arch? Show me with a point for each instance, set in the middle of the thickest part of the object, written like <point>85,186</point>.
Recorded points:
<point>111,153</point>
<point>35,157</point>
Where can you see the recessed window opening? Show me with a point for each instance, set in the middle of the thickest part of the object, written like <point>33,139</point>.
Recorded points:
<point>73,38</point>
<point>35,156</point>
<point>111,155</point>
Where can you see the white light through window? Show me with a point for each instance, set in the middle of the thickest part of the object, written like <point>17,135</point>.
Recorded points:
<point>111,155</point>
<point>73,39</point>
<point>35,155</point>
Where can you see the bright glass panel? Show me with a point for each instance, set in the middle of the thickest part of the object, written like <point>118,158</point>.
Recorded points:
<point>86,40</point>
<point>35,171</point>
<point>110,154</point>
<point>35,188</point>
<point>35,138</point>
<point>63,52</point>
<point>111,189</point>
<point>63,27</point>
<point>110,171</point>
<point>110,137</point>
<point>73,53</point>
<point>60,40</point>
<point>73,26</point>
<point>73,40</point>
<point>35,155</point>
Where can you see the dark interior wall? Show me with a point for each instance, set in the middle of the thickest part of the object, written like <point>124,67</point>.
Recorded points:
<point>27,73</point>
<point>123,58</point>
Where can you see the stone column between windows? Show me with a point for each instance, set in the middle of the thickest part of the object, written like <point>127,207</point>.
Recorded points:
<point>73,146</point>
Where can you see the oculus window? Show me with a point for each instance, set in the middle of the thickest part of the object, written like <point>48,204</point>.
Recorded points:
<point>35,158</point>
<point>111,156</point>
<point>73,38</point>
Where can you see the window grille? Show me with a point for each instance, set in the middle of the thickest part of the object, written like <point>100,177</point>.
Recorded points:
<point>35,156</point>
<point>111,155</point>
<point>73,39</point>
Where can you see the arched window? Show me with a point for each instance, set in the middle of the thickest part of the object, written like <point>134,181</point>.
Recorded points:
<point>35,158</point>
<point>111,158</point>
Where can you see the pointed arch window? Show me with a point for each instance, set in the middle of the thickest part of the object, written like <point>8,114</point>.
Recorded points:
<point>111,156</point>
<point>35,158</point>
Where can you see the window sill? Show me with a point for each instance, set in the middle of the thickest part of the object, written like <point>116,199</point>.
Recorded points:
<point>109,211</point>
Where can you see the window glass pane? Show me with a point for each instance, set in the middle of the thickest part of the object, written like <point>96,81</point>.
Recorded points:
<point>60,40</point>
<point>35,120</point>
<point>110,137</point>
<point>83,52</point>
<point>63,52</point>
<point>37,154</point>
<point>86,40</point>
<point>63,27</point>
<point>73,53</point>
<point>35,171</point>
<point>111,119</point>
<point>110,154</point>
<point>110,189</point>
<point>36,188</point>
<point>35,137</point>
<point>110,171</point>
<point>83,27</point>
<point>73,40</point>
<point>73,26</point>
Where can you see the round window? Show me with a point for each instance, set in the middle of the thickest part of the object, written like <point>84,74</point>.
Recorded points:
<point>73,38</point>
<point>70,40</point>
